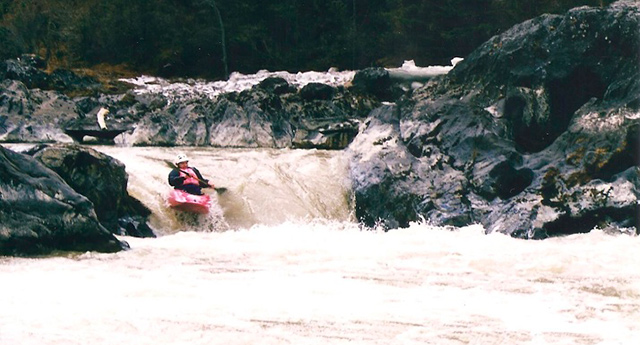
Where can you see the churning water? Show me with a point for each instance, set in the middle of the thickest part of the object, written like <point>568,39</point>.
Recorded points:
<point>281,261</point>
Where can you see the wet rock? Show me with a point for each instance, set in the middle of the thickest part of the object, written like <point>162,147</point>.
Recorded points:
<point>66,81</point>
<point>41,214</point>
<point>36,106</point>
<point>535,134</point>
<point>103,180</point>
<point>271,114</point>
<point>29,69</point>
<point>374,81</point>
<point>327,136</point>
<point>276,85</point>
<point>317,91</point>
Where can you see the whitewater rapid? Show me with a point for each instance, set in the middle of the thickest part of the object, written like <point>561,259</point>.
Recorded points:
<point>281,260</point>
<point>264,186</point>
<point>177,91</point>
<point>291,266</point>
<point>329,282</point>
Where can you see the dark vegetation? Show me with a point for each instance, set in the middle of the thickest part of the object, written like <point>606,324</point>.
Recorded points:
<point>210,38</point>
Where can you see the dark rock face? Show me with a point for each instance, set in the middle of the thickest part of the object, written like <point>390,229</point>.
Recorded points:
<point>385,85</point>
<point>33,115</point>
<point>103,180</point>
<point>41,214</point>
<point>34,106</point>
<point>271,114</point>
<point>28,70</point>
<point>535,134</point>
<point>375,81</point>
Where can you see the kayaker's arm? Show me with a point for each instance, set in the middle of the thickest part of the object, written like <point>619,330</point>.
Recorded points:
<point>175,179</point>
<point>203,182</point>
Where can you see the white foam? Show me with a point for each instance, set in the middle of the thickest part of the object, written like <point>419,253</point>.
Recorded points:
<point>238,82</point>
<point>319,281</point>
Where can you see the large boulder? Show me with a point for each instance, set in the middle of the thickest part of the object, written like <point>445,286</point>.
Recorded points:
<point>41,214</point>
<point>103,180</point>
<point>375,81</point>
<point>534,134</point>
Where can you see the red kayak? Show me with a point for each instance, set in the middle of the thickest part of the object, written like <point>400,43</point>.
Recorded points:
<point>183,201</point>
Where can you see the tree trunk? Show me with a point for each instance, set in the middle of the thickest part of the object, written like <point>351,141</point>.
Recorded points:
<point>223,44</point>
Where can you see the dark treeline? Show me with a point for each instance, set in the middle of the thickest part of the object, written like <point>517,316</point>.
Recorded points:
<point>209,38</point>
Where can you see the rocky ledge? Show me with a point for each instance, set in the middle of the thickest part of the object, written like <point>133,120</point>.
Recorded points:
<point>535,134</point>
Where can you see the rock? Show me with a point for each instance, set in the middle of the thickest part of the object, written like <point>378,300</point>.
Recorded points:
<point>329,136</point>
<point>317,91</point>
<point>33,115</point>
<point>271,114</point>
<point>41,214</point>
<point>535,134</point>
<point>66,81</point>
<point>374,81</point>
<point>29,69</point>
<point>35,108</point>
<point>103,180</point>
<point>25,72</point>
<point>33,60</point>
<point>276,85</point>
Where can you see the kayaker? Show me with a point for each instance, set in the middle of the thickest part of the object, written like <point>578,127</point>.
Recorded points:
<point>187,178</point>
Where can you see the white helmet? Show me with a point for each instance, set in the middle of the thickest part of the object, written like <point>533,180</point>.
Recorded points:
<point>181,158</point>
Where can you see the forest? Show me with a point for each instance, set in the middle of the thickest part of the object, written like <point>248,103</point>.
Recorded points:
<point>211,38</point>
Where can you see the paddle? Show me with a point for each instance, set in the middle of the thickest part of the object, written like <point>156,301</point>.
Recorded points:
<point>218,190</point>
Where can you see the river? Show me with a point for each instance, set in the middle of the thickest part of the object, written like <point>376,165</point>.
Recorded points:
<point>281,261</point>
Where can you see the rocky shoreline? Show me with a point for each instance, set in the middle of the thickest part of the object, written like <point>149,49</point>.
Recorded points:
<point>535,134</point>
